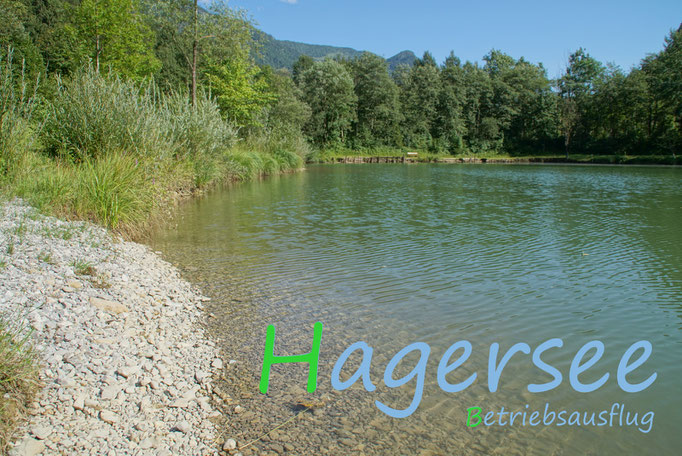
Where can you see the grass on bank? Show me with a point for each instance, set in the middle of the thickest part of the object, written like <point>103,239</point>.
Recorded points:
<point>18,377</point>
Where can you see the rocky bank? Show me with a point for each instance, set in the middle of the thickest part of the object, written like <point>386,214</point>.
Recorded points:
<point>126,365</point>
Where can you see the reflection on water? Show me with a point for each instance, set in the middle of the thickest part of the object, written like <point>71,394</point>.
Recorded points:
<point>394,254</point>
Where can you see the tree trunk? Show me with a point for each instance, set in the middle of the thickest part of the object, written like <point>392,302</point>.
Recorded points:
<point>195,52</point>
<point>98,51</point>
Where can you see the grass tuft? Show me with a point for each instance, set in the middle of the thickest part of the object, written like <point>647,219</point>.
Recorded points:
<point>18,377</point>
<point>83,268</point>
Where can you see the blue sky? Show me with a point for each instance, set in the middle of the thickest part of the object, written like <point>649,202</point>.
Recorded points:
<point>612,31</point>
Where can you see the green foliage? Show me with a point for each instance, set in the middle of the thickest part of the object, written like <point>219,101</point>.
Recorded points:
<point>287,114</point>
<point>115,190</point>
<point>283,54</point>
<point>113,33</point>
<point>95,113</point>
<point>17,116</point>
<point>18,376</point>
<point>195,131</point>
<point>240,88</point>
<point>378,108</point>
<point>664,75</point>
<point>420,89</point>
<point>192,38</point>
<point>329,91</point>
<point>83,268</point>
<point>15,18</point>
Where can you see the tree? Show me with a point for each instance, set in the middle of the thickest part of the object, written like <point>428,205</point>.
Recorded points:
<point>664,72</point>
<point>240,88</point>
<point>329,91</point>
<point>303,64</point>
<point>419,99</point>
<point>378,104</point>
<point>287,114</point>
<point>449,127</point>
<point>576,88</point>
<point>200,37</point>
<point>482,131</point>
<point>14,35</point>
<point>114,33</point>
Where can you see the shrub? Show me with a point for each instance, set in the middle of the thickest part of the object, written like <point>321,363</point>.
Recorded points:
<point>94,114</point>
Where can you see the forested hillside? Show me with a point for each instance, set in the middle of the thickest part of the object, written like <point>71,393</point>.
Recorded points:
<point>283,54</point>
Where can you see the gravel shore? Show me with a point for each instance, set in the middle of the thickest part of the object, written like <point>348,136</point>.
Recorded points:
<point>126,365</point>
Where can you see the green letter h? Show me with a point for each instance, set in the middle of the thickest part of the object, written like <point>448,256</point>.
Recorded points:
<point>311,358</point>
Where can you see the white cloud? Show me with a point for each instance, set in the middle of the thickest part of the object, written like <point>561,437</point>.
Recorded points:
<point>291,2</point>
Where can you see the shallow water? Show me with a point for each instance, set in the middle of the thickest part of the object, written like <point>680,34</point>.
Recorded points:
<point>395,254</point>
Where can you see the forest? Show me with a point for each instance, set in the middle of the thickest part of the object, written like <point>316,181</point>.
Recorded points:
<point>136,100</point>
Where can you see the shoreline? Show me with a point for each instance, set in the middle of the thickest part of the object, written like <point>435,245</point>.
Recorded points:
<point>580,160</point>
<point>125,363</point>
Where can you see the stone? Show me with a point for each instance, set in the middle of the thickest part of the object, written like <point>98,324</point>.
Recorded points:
<point>108,417</point>
<point>112,307</point>
<point>149,442</point>
<point>28,447</point>
<point>181,403</point>
<point>75,284</point>
<point>230,444</point>
<point>201,376</point>
<point>79,402</point>
<point>128,371</point>
<point>41,432</point>
<point>66,382</point>
<point>183,426</point>
<point>110,392</point>
<point>102,347</point>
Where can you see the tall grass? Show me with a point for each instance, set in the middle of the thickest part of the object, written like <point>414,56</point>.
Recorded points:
<point>93,114</point>
<point>18,126</point>
<point>18,377</point>
<point>198,131</point>
<point>116,152</point>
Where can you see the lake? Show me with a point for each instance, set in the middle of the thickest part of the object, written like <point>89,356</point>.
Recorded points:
<point>395,254</point>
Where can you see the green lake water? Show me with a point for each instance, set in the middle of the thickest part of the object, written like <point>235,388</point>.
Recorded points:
<point>396,254</point>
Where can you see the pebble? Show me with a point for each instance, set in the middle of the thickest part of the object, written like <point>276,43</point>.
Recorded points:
<point>41,432</point>
<point>28,447</point>
<point>108,417</point>
<point>108,306</point>
<point>79,402</point>
<point>230,444</point>
<point>75,284</point>
<point>183,427</point>
<point>126,344</point>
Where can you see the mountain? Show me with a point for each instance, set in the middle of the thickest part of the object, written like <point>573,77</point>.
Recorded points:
<point>283,54</point>
<point>403,58</point>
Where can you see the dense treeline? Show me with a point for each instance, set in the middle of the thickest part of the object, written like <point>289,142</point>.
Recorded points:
<point>502,105</point>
